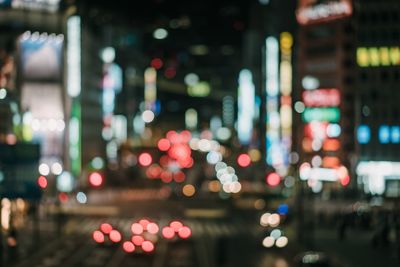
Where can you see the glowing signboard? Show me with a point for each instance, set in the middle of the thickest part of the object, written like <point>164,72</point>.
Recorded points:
<point>378,56</point>
<point>246,101</point>
<point>74,56</point>
<point>273,120</point>
<point>322,98</point>
<point>312,12</point>
<point>331,114</point>
<point>45,5</point>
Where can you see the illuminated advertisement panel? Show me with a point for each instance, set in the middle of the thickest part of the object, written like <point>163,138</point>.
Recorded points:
<point>246,102</point>
<point>45,5</point>
<point>322,98</point>
<point>41,56</point>
<point>321,114</point>
<point>273,120</point>
<point>378,56</point>
<point>312,11</point>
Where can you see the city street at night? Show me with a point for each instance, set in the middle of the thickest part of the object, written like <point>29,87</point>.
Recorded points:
<point>160,133</point>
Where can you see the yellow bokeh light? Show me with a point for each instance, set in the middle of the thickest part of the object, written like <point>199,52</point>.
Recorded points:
<point>189,190</point>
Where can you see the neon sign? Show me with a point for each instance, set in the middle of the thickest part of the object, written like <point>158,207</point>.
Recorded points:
<point>378,56</point>
<point>328,10</point>
<point>321,98</point>
<point>331,114</point>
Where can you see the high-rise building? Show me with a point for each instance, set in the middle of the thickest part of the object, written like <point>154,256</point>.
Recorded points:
<point>377,25</point>
<point>325,93</point>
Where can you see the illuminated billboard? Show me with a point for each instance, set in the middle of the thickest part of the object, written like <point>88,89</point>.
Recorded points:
<point>312,11</point>
<point>41,56</point>
<point>378,56</point>
<point>321,114</point>
<point>322,98</point>
<point>246,102</point>
<point>40,5</point>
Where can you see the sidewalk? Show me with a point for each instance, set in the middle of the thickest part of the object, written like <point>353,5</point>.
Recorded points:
<point>356,249</point>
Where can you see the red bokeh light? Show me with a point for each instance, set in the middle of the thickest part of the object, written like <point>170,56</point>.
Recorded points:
<point>115,236</point>
<point>168,232</point>
<point>185,136</point>
<point>145,159</point>
<point>273,179</point>
<point>152,228</point>
<point>176,225</point>
<point>170,73</point>
<point>106,228</point>
<point>98,236</point>
<point>63,197</point>
<point>42,182</point>
<point>128,246</point>
<point>147,246</point>
<point>164,160</point>
<point>185,232</point>
<point>163,144</point>
<point>244,160</point>
<point>345,181</point>
<point>95,179</point>
<point>137,228</point>
<point>179,177</point>
<point>166,176</point>
<point>173,137</point>
<point>144,223</point>
<point>137,240</point>
<point>157,63</point>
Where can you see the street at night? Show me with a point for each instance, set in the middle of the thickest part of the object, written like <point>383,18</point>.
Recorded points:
<point>160,133</point>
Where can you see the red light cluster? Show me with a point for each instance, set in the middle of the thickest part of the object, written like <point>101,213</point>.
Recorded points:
<point>106,230</point>
<point>176,228</point>
<point>178,154</point>
<point>144,235</point>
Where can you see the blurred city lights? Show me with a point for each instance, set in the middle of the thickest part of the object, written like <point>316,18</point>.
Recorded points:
<point>282,241</point>
<point>95,179</point>
<point>168,232</point>
<point>137,240</point>
<point>189,190</point>
<point>98,236</point>
<point>264,219</point>
<point>176,225</point>
<point>3,93</point>
<point>137,228</point>
<point>145,159</point>
<point>152,228</point>
<point>42,182</point>
<point>268,242</point>
<point>184,232</point>
<point>160,34</point>
<point>65,182</point>
<point>148,116</point>
<point>163,144</point>
<point>107,54</point>
<point>81,198</point>
<point>156,63</point>
<point>147,246</point>
<point>106,228</point>
<point>191,79</point>
<point>56,168</point>
<point>273,179</point>
<point>276,233</point>
<point>128,246</point>
<point>244,160</point>
<point>274,220</point>
<point>44,169</point>
<point>115,236</point>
